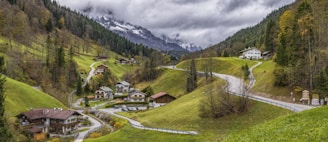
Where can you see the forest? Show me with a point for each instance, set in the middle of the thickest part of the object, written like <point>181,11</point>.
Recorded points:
<point>42,37</point>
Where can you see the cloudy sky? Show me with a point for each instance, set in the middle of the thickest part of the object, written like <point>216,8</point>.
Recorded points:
<point>203,22</point>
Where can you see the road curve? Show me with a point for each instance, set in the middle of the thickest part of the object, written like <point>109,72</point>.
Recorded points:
<point>91,73</point>
<point>95,124</point>
<point>138,125</point>
<point>235,87</point>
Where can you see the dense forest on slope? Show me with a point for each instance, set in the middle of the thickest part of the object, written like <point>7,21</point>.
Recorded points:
<point>297,35</point>
<point>39,40</point>
<point>249,37</point>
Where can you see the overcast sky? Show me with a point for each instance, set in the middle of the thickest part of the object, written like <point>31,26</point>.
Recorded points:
<point>203,22</point>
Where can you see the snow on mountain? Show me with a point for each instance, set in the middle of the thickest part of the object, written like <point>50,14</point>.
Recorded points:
<point>136,34</point>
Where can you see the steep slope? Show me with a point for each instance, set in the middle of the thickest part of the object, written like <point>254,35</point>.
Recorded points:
<point>138,34</point>
<point>309,125</point>
<point>248,37</point>
<point>21,97</point>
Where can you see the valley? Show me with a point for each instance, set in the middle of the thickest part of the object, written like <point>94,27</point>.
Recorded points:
<point>71,76</point>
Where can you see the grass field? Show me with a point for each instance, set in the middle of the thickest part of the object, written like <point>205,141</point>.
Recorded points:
<point>231,65</point>
<point>183,114</point>
<point>171,81</point>
<point>265,78</point>
<point>119,70</point>
<point>21,97</point>
<point>307,126</point>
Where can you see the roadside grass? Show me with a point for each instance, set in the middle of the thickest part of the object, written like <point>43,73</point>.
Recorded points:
<point>307,126</point>
<point>21,97</point>
<point>265,80</point>
<point>128,133</point>
<point>83,62</point>
<point>227,65</point>
<point>183,114</point>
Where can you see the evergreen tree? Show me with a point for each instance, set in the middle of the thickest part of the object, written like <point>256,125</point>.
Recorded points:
<point>60,57</point>
<point>49,25</point>
<point>87,88</point>
<point>79,86</point>
<point>322,83</point>
<point>192,78</point>
<point>86,101</point>
<point>148,90</point>
<point>4,132</point>
<point>12,2</point>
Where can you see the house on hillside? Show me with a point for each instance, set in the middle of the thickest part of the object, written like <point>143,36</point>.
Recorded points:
<point>104,93</point>
<point>161,99</point>
<point>124,61</point>
<point>251,53</point>
<point>101,69</point>
<point>136,96</point>
<point>122,87</point>
<point>266,55</point>
<point>54,121</point>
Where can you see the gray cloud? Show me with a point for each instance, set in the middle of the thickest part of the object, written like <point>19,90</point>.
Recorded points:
<point>202,22</point>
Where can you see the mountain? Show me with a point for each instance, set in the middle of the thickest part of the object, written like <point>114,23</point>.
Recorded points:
<point>175,39</point>
<point>140,35</point>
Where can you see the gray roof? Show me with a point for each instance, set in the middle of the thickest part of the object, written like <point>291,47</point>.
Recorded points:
<point>105,88</point>
<point>247,49</point>
<point>125,83</point>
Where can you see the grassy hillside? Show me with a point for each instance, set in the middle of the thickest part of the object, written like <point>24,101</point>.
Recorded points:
<point>21,97</point>
<point>307,126</point>
<point>183,114</point>
<point>265,78</point>
<point>230,66</point>
<point>171,81</point>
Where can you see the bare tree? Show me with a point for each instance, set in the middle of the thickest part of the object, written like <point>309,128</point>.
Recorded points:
<point>219,101</point>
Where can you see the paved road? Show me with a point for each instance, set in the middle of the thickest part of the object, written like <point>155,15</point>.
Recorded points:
<point>91,73</point>
<point>236,89</point>
<point>95,124</point>
<point>138,125</point>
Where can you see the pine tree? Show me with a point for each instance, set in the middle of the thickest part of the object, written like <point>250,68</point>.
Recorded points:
<point>192,78</point>
<point>79,87</point>
<point>87,88</point>
<point>4,132</point>
<point>86,102</point>
<point>49,25</point>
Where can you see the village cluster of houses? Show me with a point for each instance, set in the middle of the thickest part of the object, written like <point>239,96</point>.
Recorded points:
<point>125,93</point>
<point>56,121</point>
<point>253,53</point>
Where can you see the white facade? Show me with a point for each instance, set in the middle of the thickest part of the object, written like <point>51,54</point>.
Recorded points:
<point>122,87</point>
<point>251,53</point>
<point>137,97</point>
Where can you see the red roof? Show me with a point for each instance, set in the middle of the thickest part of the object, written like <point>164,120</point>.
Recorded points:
<point>160,94</point>
<point>49,113</point>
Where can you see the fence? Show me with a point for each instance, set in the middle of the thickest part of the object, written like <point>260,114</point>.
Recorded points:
<point>164,130</point>
<point>93,130</point>
<point>266,101</point>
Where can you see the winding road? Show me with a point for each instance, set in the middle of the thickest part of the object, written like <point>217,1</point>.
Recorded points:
<point>95,124</point>
<point>235,87</point>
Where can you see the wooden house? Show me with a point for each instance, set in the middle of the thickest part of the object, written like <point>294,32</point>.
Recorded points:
<point>44,120</point>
